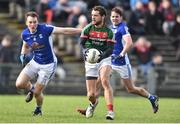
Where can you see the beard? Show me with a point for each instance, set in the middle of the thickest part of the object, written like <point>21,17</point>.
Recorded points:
<point>97,23</point>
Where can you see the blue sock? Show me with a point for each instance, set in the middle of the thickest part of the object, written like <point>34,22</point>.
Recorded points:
<point>151,97</point>
<point>38,107</point>
<point>32,88</point>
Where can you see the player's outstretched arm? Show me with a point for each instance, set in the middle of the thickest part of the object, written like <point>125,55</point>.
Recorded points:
<point>128,44</point>
<point>25,48</point>
<point>67,30</point>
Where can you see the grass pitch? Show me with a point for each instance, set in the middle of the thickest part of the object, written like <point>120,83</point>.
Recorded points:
<point>62,109</point>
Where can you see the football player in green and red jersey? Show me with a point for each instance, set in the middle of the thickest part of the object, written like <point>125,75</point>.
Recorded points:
<point>97,35</point>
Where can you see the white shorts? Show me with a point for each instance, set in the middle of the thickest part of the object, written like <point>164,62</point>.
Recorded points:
<point>92,70</point>
<point>124,71</point>
<point>43,72</point>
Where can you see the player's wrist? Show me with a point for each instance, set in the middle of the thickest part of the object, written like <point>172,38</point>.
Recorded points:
<point>22,58</point>
<point>122,54</point>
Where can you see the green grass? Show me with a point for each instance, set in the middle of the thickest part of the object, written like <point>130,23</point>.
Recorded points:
<point>62,109</point>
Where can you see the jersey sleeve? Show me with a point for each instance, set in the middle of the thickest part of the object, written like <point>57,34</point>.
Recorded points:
<point>124,30</point>
<point>23,36</point>
<point>111,37</point>
<point>48,28</point>
<point>84,35</point>
<point>85,32</point>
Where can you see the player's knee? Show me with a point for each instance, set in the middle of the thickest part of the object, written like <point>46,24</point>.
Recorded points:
<point>19,85</point>
<point>105,84</point>
<point>37,93</point>
<point>131,89</point>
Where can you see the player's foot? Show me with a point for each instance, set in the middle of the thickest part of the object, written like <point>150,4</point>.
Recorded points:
<point>82,111</point>
<point>29,96</point>
<point>37,111</point>
<point>90,111</point>
<point>154,101</point>
<point>110,115</point>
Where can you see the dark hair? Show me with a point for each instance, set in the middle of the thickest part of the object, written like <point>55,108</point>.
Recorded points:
<point>32,14</point>
<point>117,10</point>
<point>102,12</point>
<point>8,37</point>
<point>101,9</point>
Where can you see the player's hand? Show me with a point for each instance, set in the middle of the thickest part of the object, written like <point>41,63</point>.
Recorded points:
<point>100,56</point>
<point>22,59</point>
<point>85,54</point>
<point>115,57</point>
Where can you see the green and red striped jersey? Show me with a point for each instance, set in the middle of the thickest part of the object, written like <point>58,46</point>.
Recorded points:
<point>99,38</point>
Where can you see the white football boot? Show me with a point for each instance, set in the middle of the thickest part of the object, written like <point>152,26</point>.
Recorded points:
<point>110,115</point>
<point>90,110</point>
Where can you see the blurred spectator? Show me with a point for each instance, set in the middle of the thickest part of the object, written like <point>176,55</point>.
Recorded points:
<point>158,64</point>
<point>153,20</point>
<point>136,20</point>
<point>176,35</point>
<point>125,4</point>
<point>108,4</point>
<point>176,3</point>
<point>31,5</point>
<point>168,13</point>
<point>45,11</point>
<point>61,12</point>
<point>91,3</point>
<point>12,8</point>
<point>73,17</point>
<point>134,2</point>
<point>144,52</point>
<point>82,22</point>
<point>17,8</point>
<point>20,10</point>
<point>6,58</point>
<point>176,27</point>
<point>80,3</point>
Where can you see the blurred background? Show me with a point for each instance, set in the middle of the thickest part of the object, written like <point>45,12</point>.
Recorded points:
<point>155,57</point>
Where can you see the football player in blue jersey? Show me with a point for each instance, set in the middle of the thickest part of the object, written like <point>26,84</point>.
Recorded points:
<point>37,39</point>
<point>120,60</point>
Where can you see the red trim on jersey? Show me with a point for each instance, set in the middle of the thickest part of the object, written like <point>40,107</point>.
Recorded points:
<point>84,36</point>
<point>96,34</point>
<point>110,40</point>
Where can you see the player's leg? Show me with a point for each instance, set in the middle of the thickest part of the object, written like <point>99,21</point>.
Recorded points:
<point>45,74</point>
<point>126,76</point>
<point>131,88</point>
<point>31,69</point>
<point>98,88</point>
<point>38,88</point>
<point>91,89</point>
<point>91,77</point>
<point>23,81</point>
<point>105,72</point>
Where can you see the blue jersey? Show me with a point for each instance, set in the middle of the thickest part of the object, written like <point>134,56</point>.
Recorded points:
<point>120,31</point>
<point>41,43</point>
